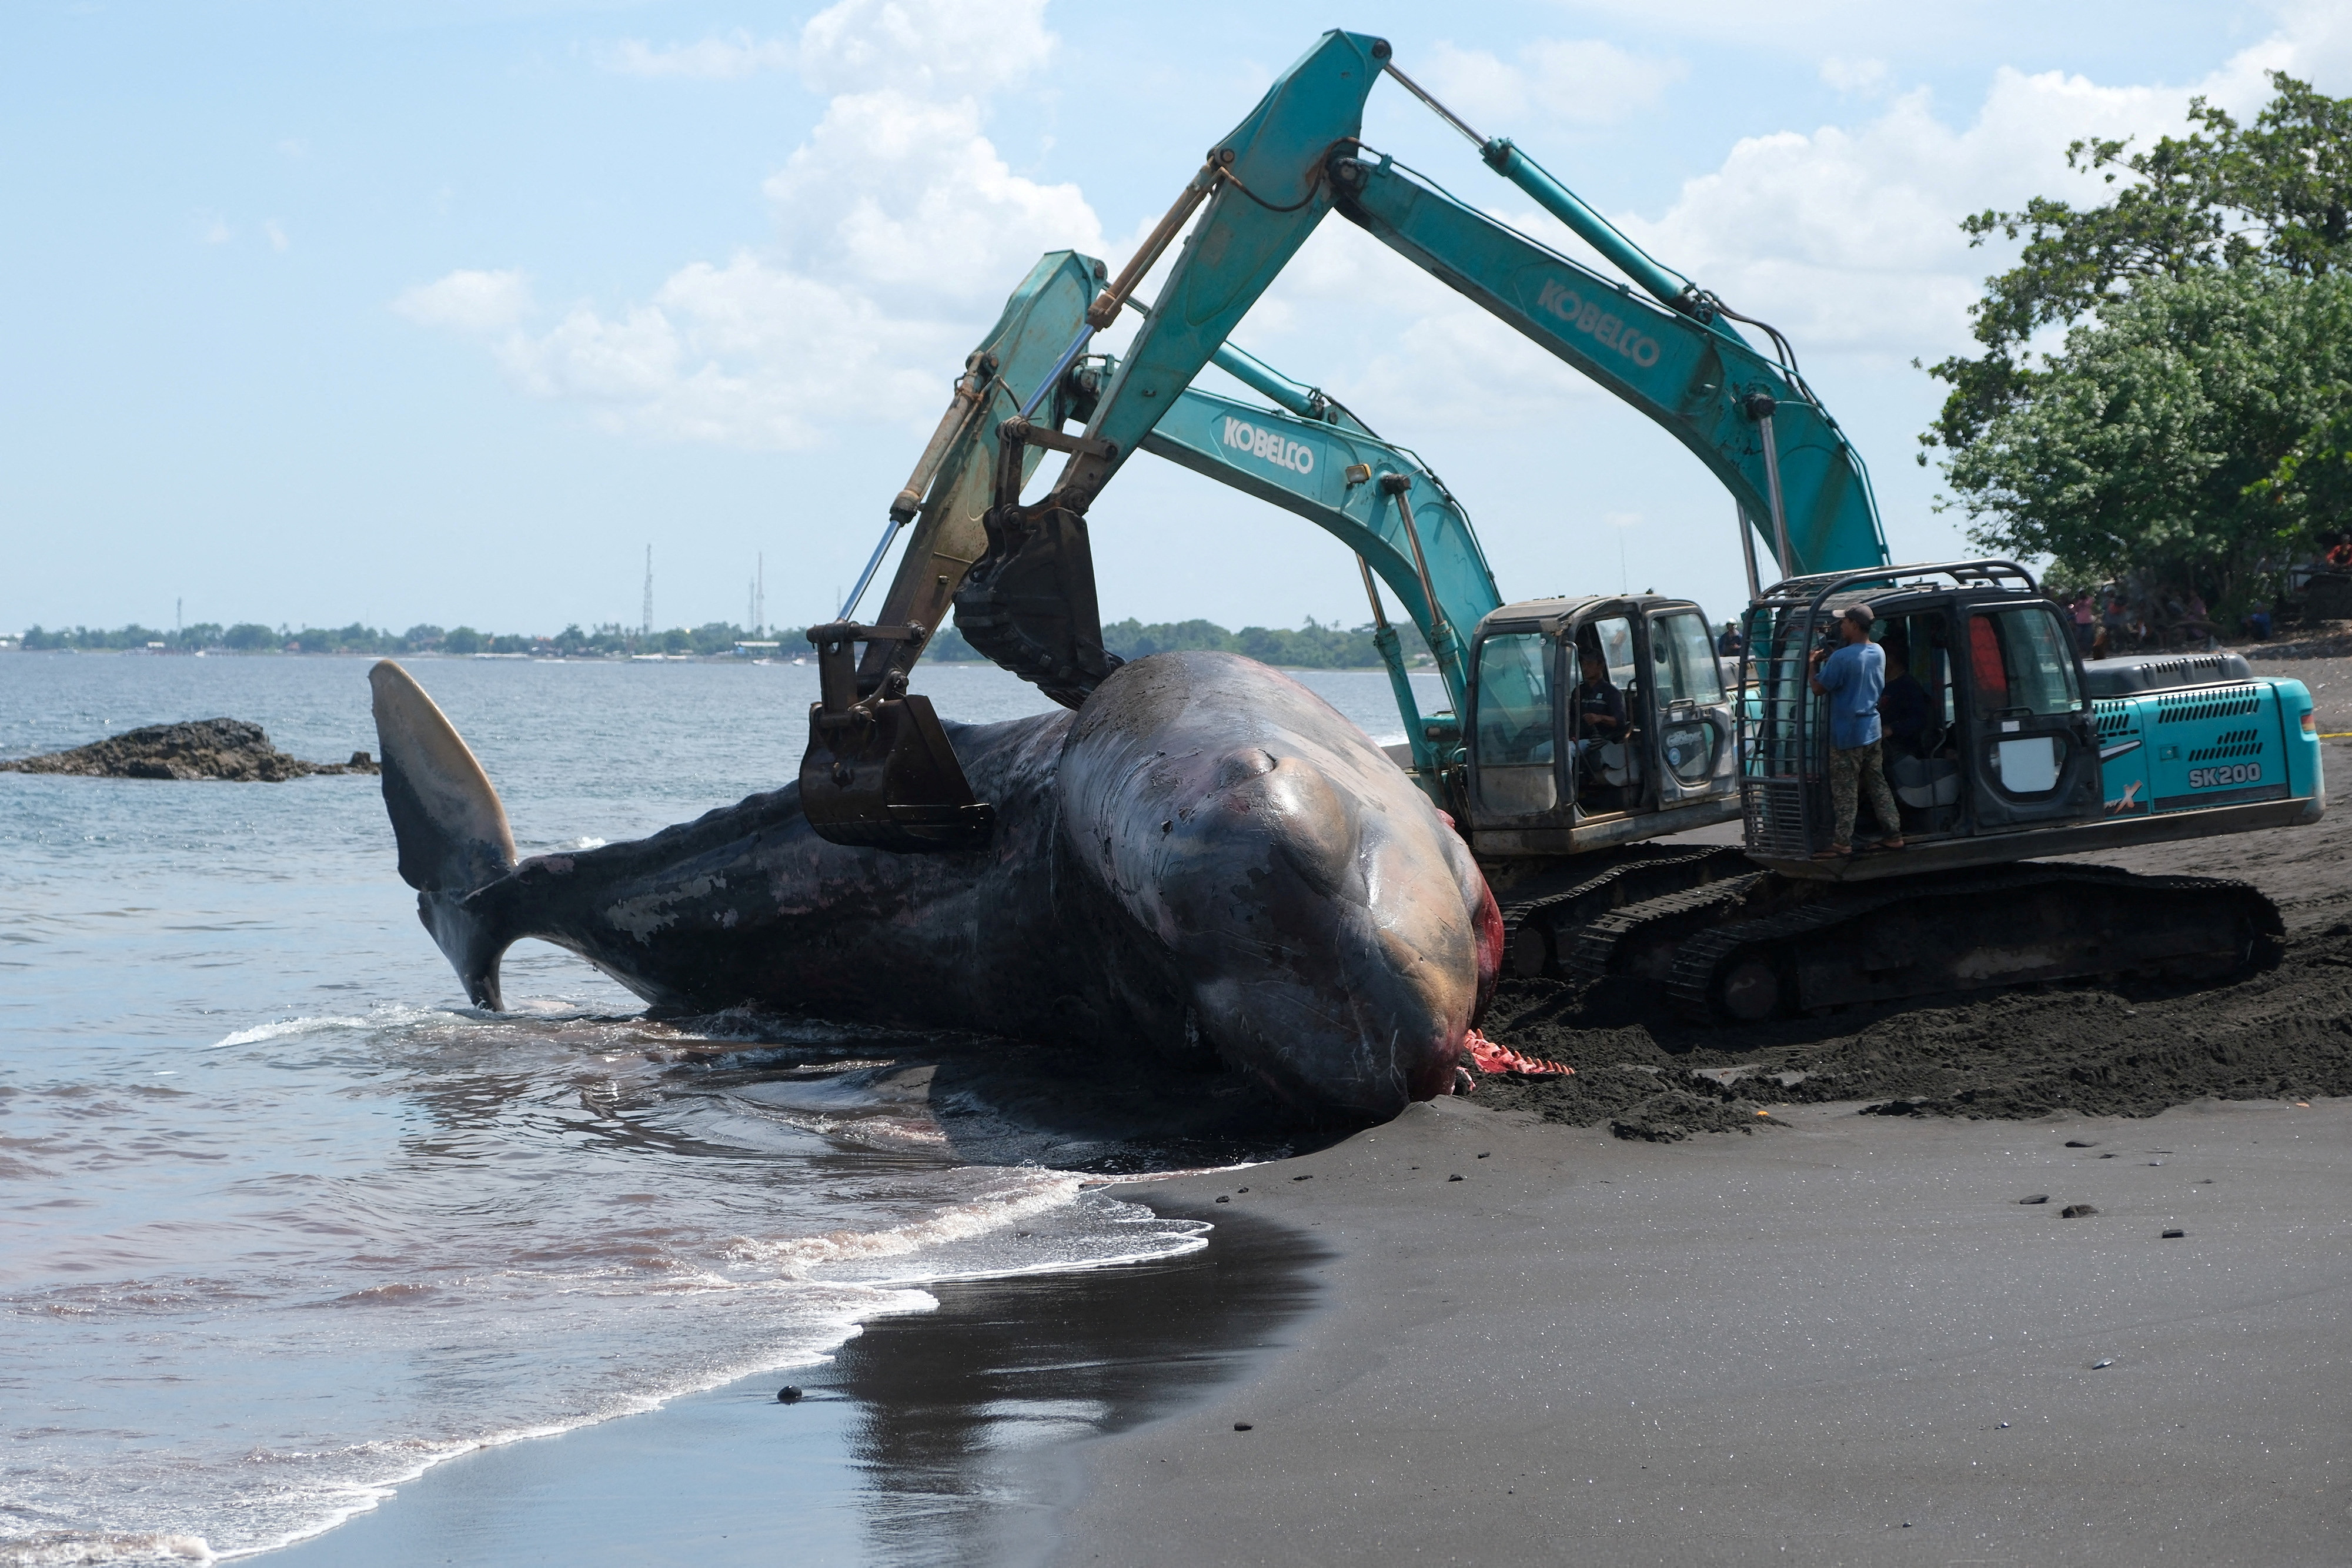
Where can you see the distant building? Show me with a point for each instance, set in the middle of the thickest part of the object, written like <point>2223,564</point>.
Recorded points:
<point>755,650</point>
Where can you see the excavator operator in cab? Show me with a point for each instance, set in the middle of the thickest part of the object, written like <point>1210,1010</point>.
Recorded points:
<point>1600,706</point>
<point>1852,678</point>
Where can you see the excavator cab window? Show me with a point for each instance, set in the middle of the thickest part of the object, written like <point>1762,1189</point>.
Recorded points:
<point>1514,736</point>
<point>1693,726</point>
<point>2018,662</point>
<point>1916,721</point>
<point>1687,671</point>
<point>1608,772</point>
<point>2033,753</point>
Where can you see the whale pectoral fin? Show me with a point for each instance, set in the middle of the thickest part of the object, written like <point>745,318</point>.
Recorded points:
<point>451,830</point>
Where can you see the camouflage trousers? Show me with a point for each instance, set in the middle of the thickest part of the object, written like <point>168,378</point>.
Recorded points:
<point>1853,770</point>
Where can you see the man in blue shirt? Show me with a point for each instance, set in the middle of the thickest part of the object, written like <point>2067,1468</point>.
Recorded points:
<point>1851,678</point>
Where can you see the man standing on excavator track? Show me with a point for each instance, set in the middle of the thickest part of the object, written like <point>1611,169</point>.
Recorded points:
<point>1851,678</point>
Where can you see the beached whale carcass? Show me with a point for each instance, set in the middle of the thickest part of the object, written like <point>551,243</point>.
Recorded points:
<point>1204,857</point>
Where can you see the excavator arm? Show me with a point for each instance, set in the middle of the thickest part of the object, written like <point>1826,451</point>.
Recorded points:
<point>1401,522</point>
<point>1028,602</point>
<point>1770,443</point>
<point>877,757</point>
<point>903,788</point>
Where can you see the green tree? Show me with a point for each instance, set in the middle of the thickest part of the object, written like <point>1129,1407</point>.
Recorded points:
<point>2194,431</point>
<point>463,639</point>
<point>247,636</point>
<point>2273,195</point>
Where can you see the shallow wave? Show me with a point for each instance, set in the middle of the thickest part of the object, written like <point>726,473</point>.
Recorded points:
<point>478,1229</point>
<point>991,1211</point>
<point>283,1027</point>
<point>66,1548</point>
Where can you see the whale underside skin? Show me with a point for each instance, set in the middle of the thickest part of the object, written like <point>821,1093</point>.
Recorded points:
<point>1204,860</point>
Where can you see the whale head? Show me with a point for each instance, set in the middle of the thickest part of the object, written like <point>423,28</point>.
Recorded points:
<point>1329,930</point>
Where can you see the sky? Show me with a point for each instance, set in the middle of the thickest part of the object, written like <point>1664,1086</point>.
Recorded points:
<point>443,310</point>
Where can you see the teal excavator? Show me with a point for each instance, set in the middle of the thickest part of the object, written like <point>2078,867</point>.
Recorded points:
<point>2027,753</point>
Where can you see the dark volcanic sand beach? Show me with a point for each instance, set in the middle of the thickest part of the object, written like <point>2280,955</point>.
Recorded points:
<point>1846,1339</point>
<point>1623,1335</point>
<point>1780,1349</point>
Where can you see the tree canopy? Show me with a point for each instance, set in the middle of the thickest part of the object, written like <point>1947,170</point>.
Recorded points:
<point>2177,435</point>
<point>2199,415</point>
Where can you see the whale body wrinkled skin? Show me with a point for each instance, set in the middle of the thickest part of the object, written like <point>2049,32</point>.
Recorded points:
<point>1205,860</point>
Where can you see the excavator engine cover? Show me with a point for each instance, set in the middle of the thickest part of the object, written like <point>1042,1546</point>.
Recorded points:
<point>879,772</point>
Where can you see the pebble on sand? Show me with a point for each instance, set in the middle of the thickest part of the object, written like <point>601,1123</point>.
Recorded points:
<point>2173,1235</point>
<point>788,1394</point>
<point>2076,1211</point>
<point>2035,1198</point>
<point>2081,1143</point>
<point>1241,1425</point>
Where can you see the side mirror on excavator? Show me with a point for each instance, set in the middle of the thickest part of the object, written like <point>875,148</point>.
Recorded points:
<point>878,772</point>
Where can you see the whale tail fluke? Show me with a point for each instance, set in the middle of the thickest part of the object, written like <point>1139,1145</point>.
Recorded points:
<point>451,829</point>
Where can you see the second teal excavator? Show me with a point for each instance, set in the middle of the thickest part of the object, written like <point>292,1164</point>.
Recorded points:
<point>2028,753</point>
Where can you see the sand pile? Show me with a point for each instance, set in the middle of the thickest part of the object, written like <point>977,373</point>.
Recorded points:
<point>227,749</point>
<point>2122,1050</point>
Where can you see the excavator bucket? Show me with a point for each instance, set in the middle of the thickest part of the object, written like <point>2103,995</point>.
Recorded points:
<point>878,772</point>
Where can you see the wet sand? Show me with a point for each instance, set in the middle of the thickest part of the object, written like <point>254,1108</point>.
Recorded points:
<point>918,1444</point>
<point>1842,1341</point>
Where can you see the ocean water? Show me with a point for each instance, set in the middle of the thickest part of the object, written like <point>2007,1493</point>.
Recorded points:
<point>283,1223</point>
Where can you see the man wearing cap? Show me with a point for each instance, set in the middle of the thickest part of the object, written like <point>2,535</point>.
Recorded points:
<point>1851,678</point>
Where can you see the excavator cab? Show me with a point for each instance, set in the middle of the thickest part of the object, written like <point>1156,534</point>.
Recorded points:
<point>1987,729</point>
<point>1594,722</point>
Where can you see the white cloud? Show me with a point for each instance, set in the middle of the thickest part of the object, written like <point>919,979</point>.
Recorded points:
<point>1579,81</point>
<point>898,229</point>
<point>899,224</point>
<point>277,233</point>
<point>909,194</point>
<point>216,231</point>
<point>927,47</point>
<point>924,47</point>
<point>1848,238</point>
<point>737,55</point>
<point>468,301</point>
<point>1855,76</point>
<point>746,354</point>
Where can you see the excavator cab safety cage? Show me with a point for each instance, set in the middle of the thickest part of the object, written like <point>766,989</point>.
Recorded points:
<point>1782,725</point>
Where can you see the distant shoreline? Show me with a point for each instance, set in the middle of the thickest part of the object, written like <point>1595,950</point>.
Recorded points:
<point>1421,666</point>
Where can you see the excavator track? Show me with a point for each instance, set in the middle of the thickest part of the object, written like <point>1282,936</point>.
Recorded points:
<point>1640,939</point>
<point>1541,929</point>
<point>1956,931</point>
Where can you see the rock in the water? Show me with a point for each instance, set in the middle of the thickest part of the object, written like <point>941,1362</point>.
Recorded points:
<point>228,748</point>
